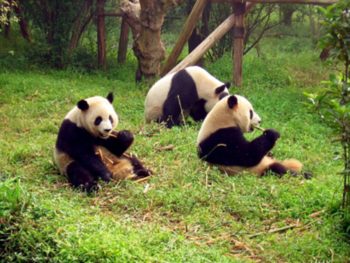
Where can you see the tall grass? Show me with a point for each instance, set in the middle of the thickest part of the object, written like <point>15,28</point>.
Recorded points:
<point>191,212</point>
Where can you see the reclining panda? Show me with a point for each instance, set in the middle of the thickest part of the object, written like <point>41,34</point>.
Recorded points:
<point>221,142</point>
<point>191,91</point>
<point>87,129</point>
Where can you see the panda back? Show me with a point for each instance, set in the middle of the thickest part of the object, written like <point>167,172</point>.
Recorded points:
<point>156,96</point>
<point>205,82</point>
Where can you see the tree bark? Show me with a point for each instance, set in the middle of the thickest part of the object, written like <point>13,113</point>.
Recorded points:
<point>287,14</point>
<point>148,47</point>
<point>80,24</point>
<point>146,18</point>
<point>238,43</point>
<point>101,34</point>
<point>123,41</point>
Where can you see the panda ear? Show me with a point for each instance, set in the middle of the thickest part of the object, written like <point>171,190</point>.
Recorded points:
<point>228,85</point>
<point>232,101</point>
<point>110,97</point>
<point>220,89</point>
<point>83,105</point>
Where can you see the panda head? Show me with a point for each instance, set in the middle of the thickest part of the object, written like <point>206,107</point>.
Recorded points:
<point>98,116</point>
<point>240,113</point>
<point>231,111</point>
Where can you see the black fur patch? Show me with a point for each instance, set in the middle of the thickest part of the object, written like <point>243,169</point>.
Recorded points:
<point>277,168</point>
<point>229,147</point>
<point>232,101</point>
<point>220,89</point>
<point>138,168</point>
<point>78,176</point>
<point>83,105</point>
<point>198,111</point>
<point>110,97</point>
<point>182,95</point>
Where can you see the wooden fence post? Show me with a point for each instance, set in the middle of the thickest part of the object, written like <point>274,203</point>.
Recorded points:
<point>101,34</point>
<point>239,10</point>
<point>206,44</point>
<point>190,24</point>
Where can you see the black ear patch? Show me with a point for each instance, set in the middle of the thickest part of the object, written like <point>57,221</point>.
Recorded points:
<point>220,89</point>
<point>83,105</point>
<point>110,97</point>
<point>228,85</point>
<point>232,101</point>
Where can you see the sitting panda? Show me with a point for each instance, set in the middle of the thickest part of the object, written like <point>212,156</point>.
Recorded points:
<point>86,130</point>
<point>191,91</point>
<point>221,142</point>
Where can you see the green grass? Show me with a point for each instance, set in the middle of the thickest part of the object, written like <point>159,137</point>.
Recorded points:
<point>191,211</point>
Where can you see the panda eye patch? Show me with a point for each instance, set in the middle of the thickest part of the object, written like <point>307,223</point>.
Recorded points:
<point>251,114</point>
<point>98,121</point>
<point>111,119</point>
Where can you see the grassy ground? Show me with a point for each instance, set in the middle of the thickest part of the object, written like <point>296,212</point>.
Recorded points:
<point>191,212</point>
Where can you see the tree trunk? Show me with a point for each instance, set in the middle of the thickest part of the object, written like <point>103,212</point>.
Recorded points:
<point>101,34</point>
<point>238,43</point>
<point>80,25</point>
<point>146,18</point>
<point>148,47</point>
<point>287,14</point>
<point>123,41</point>
<point>7,26</point>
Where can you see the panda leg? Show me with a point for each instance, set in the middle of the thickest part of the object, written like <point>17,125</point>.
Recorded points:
<point>79,177</point>
<point>277,169</point>
<point>138,168</point>
<point>171,113</point>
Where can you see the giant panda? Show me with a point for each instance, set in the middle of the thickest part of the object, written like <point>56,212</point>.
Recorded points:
<point>221,142</point>
<point>86,139</point>
<point>190,91</point>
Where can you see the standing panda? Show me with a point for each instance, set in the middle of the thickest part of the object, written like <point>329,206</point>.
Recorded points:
<point>221,142</point>
<point>191,91</point>
<point>86,129</point>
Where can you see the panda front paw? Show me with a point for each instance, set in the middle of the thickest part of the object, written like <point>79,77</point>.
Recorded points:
<point>272,134</point>
<point>126,137</point>
<point>106,176</point>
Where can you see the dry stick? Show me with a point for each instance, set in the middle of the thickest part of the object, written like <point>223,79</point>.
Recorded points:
<point>182,112</point>
<point>165,148</point>
<point>113,135</point>
<point>259,128</point>
<point>142,179</point>
<point>216,146</point>
<point>99,152</point>
<point>281,229</point>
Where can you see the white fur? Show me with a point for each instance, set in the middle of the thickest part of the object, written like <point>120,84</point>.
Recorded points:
<point>155,98</point>
<point>205,84</point>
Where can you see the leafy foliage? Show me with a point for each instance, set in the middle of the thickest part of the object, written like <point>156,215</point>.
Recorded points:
<point>54,23</point>
<point>333,102</point>
<point>5,9</point>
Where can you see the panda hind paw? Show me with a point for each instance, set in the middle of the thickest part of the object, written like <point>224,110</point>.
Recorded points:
<point>307,175</point>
